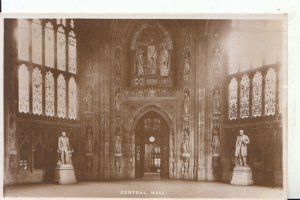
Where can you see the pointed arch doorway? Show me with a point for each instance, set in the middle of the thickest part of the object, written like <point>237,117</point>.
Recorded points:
<point>152,146</point>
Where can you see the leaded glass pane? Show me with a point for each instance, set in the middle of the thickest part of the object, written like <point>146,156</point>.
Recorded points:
<point>232,99</point>
<point>257,95</point>
<point>49,45</point>
<point>37,91</point>
<point>244,98</point>
<point>37,41</point>
<point>23,77</point>
<point>72,52</point>
<point>61,96</point>
<point>72,98</point>
<point>49,94</point>
<point>270,92</point>
<point>61,49</point>
<point>23,39</point>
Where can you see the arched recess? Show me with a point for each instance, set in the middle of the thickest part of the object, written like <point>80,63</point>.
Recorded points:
<point>142,144</point>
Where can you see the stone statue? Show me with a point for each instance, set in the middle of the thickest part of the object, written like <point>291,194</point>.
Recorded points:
<point>164,61</point>
<point>215,142</point>
<point>186,102</point>
<point>241,149</point>
<point>89,144</point>
<point>152,57</point>
<point>118,145</point>
<point>64,149</point>
<point>186,62</point>
<point>117,58</point>
<point>88,97</point>
<point>216,101</point>
<point>118,101</point>
<point>140,62</point>
<point>186,141</point>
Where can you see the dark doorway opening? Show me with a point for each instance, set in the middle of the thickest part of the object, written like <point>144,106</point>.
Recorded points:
<point>152,147</point>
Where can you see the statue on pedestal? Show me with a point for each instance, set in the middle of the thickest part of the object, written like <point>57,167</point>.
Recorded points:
<point>64,172</point>
<point>215,142</point>
<point>242,173</point>
<point>186,144</point>
<point>64,149</point>
<point>241,149</point>
<point>186,103</point>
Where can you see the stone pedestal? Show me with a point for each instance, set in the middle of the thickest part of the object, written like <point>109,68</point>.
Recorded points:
<point>242,175</point>
<point>65,174</point>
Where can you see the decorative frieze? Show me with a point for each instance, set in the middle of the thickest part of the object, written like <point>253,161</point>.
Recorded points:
<point>152,92</point>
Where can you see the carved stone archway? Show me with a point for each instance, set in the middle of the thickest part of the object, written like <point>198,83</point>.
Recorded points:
<point>166,150</point>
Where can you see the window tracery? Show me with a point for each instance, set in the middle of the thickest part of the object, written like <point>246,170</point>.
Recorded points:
<point>232,99</point>
<point>38,76</point>
<point>270,92</point>
<point>23,79</point>
<point>37,41</point>
<point>37,92</point>
<point>244,98</point>
<point>257,95</point>
<point>152,51</point>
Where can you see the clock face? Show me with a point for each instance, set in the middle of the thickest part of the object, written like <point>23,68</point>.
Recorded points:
<point>151,139</point>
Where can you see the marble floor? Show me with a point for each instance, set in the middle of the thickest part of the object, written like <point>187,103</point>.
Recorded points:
<point>144,188</point>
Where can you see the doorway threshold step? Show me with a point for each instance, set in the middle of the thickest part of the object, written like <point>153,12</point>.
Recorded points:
<point>151,175</point>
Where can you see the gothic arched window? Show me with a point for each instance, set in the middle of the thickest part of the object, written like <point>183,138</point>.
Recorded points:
<point>49,45</point>
<point>23,79</point>
<point>37,91</point>
<point>49,94</point>
<point>72,98</point>
<point>151,57</point>
<point>41,87</point>
<point>270,92</point>
<point>232,99</point>
<point>36,41</point>
<point>61,96</point>
<point>244,96</point>
<point>23,39</point>
<point>61,49</point>
<point>257,94</point>
<point>72,52</point>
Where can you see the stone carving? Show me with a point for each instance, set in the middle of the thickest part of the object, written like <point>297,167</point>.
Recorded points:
<point>241,149</point>
<point>118,100</point>
<point>89,141</point>
<point>153,92</point>
<point>118,150</point>
<point>187,62</point>
<point>88,97</point>
<point>186,103</point>
<point>217,60</point>
<point>117,59</point>
<point>152,57</point>
<point>216,101</point>
<point>186,141</point>
<point>164,61</point>
<point>11,137</point>
<point>140,63</point>
<point>64,149</point>
<point>215,142</point>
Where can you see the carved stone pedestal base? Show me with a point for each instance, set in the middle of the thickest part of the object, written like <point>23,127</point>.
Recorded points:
<point>242,175</point>
<point>65,174</point>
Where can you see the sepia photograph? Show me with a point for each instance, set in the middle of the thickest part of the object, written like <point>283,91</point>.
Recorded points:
<point>145,107</point>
